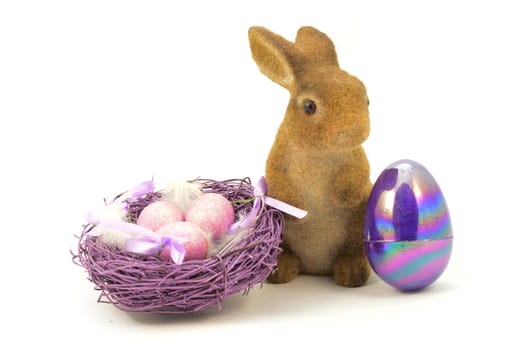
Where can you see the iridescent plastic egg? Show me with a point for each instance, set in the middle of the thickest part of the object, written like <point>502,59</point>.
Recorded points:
<point>408,234</point>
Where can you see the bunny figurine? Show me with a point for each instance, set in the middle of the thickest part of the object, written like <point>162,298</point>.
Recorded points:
<point>317,162</point>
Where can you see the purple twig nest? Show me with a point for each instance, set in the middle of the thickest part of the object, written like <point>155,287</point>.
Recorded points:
<point>142,283</point>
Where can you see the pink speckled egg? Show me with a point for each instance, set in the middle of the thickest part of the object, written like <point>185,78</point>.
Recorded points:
<point>158,214</point>
<point>190,236</point>
<point>212,212</point>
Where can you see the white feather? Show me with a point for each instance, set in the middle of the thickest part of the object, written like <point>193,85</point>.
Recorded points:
<point>111,212</point>
<point>182,193</point>
<point>115,238</point>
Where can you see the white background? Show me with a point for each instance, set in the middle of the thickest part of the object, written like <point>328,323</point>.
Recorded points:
<point>96,96</point>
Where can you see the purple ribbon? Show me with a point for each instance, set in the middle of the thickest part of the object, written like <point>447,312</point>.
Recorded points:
<point>142,189</point>
<point>146,241</point>
<point>121,226</point>
<point>248,221</point>
<point>151,246</point>
<point>115,209</point>
<point>260,191</point>
<point>241,227</point>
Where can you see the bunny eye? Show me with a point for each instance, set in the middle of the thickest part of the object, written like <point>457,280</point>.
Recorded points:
<point>309,107</point>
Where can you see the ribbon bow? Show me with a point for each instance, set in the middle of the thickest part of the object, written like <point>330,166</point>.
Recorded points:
<point>260,191</point>
<point>156,246</point>
<point>241,227</point>
<point>145,241</point>
<point>261,198</point>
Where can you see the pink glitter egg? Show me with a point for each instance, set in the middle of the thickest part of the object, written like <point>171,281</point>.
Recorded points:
<point>158,214</point>
<point>190,236</point>
<point>212,212</point>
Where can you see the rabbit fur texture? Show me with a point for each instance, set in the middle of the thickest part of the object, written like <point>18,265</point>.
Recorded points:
<point>317,162</point>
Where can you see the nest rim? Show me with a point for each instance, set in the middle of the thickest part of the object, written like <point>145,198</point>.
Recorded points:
<point>139,283</point>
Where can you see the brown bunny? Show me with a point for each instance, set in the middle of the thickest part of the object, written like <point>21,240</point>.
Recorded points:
<point>317,162</point>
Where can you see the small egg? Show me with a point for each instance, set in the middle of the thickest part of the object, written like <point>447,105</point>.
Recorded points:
<point>212,212</point>
<point>408,234</point>
<point>158,214</point>
<point>189,235</point>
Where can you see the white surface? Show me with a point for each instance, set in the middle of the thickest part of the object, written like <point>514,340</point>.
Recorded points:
<point>97,96</point>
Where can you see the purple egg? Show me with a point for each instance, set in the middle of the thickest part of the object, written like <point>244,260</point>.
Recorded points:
<point>408,234</point>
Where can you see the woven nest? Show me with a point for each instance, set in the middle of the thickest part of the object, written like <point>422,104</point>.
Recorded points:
<point>143,283</point>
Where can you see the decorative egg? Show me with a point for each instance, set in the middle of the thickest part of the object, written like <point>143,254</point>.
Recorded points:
<point>189,235</point>
<point>408,234</point>
<point>158,214</point>
<point>212,212</point>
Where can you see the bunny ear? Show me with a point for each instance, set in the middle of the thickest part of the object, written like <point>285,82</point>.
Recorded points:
<point>316,45</point>
<point>274,55</point>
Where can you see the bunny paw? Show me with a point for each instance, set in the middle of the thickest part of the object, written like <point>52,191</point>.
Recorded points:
<point>289,266</point>
<point>351,272</point>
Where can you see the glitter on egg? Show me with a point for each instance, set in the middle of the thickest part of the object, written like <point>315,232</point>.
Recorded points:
<point>212,212</point>
<point>408,234</point>
<point>190,236</point>
<point>158,214</point>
